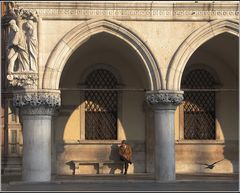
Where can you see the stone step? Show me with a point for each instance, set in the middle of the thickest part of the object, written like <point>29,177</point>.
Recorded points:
<point>84,177</point>
<point>12,160</point>
<point>12,170</point>
<point>11,164</point>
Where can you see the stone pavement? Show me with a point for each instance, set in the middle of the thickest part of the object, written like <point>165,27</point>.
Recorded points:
<point>124,183</point>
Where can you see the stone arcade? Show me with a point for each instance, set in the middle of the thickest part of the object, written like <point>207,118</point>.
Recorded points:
<point>79,77</point>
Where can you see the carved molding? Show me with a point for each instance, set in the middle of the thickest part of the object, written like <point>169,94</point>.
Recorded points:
<point>26,80</point>
<point>58,58</point>
<point>18,13</point>
<point>27,111</point>
<point>164,97</point>
<point>191,43</point>
<point>133,11</point>
<point>37,99</point>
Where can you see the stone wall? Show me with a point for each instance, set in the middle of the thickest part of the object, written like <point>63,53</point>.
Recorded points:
<point>97,150</point>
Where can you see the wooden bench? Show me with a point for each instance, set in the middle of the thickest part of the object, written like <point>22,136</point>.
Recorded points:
<point>99,163</point>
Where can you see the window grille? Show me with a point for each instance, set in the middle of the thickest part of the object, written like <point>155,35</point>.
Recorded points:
<point>101,106</point>
<point>199,106</point>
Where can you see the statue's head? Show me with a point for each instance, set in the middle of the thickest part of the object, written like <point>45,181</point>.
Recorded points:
<point>30,22</point>
<point>12,22</point>
<point>13,25</point>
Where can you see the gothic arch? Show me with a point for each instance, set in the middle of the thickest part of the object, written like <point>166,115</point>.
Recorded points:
<point>81,33</point>
<point>190,45</point>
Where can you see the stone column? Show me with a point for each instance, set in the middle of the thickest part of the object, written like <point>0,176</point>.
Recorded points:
<point>36,110</point>
<point>163,105</point>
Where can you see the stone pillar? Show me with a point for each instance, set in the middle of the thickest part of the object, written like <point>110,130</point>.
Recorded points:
<point>36,110</point>
<point>163,105</point>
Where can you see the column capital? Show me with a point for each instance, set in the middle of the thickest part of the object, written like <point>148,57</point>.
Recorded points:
<point>164,97</point>
<point>37,98</point>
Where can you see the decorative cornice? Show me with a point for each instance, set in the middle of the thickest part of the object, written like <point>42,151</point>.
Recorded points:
<point>132,11</point>
<point>164,97</point>
<point>37,99</point>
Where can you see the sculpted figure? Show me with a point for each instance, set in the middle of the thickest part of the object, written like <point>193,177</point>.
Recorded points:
<point>31,39</point>
<point>17,49</point>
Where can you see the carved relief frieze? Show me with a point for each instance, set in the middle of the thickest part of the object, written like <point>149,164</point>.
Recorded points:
<point>21,46</point>
<point>17,13</point>
<point>26,80</point>
<point>36,99</point>
<point>145,11</point>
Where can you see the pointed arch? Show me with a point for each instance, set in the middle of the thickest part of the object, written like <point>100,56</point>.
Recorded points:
<point>190,45</point>
<point>81,33</point>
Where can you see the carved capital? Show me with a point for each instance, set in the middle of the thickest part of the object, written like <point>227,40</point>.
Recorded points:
<point>164,97</point>
<point>37,99</point>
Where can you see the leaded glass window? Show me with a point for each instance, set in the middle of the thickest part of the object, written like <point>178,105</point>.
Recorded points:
<point>199,105</point>
<point>101,106</point>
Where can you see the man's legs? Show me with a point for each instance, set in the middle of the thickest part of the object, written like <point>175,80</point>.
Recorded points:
<point>126,167</point>
<point>125,163</point>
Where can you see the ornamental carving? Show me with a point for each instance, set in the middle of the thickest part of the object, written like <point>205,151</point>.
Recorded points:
<point>155,98</point>
<point>153,11</point>
<point>22,46</point>
<point>28,80</point>
<point>17,13</point>
<point>41,110</point>
<point>52,100</point>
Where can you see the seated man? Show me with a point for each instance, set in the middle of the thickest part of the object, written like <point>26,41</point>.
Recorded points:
<point>125,152</point>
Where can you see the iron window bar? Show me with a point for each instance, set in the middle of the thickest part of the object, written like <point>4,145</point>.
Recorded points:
<point>102,89</point>
<point>132,90</point>
<point>143,90</point>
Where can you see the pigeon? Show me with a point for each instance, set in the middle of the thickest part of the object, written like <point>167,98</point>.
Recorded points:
<point>211,166</point>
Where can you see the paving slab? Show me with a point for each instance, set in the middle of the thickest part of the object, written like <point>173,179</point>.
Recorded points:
<point>125,183</point>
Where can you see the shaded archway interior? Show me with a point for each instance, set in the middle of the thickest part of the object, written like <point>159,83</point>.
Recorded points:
<point>105,51</point>
<point>104,48</point>
<point>219,56</point>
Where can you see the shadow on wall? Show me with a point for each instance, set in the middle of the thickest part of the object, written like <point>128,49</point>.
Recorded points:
<point>64,157</point>
<point>72,166</point>
<point>58,142</point>
<point>114,156</point>
<point>231,153</point>
<point>228,122</point>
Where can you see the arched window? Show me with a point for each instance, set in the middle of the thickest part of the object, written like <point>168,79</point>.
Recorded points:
<point>101,106</point>
<point>199,105</point>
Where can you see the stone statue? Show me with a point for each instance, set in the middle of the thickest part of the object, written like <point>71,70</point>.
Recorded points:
<point>31,39</point>
<point>22,46</point>
<point>17,49</point>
